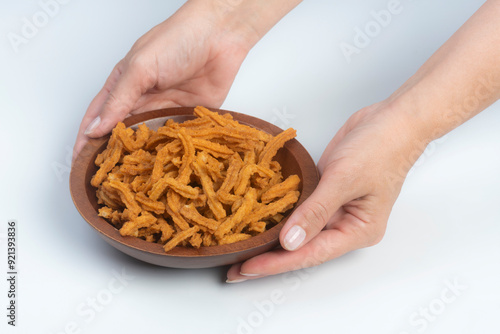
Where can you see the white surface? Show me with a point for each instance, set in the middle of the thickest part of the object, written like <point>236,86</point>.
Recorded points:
<point>444,227</point>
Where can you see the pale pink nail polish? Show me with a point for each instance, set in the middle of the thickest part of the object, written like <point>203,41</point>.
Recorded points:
<point>249,275</point>
<point>236,280</point>
<point>294,238</point>
<point>93,125</point>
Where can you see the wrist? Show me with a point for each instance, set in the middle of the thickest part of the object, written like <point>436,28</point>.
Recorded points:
<point>424,106</point>
<point>243,22</point>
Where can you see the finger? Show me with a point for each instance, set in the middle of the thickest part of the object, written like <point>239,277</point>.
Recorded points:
<point>95,108</point>
<point>233,274</point>
<point>327,245</point>
<point>313,214</point>
<point>135,80</point>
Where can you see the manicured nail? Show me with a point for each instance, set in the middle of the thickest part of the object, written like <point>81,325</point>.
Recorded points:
<point>294,238</point>
<point>236,280</point>
<point>249,275</point>
<point>93,125</point>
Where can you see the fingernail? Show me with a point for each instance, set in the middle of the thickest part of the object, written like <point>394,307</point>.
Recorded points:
<point>294,237</point>
<point>249,275</point>
<point>236,280</point>
<point>93,125</point>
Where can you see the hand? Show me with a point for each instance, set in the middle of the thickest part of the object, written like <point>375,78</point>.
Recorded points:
<point>365,164</point>
<point>362,171</point>
<point>187,60</point>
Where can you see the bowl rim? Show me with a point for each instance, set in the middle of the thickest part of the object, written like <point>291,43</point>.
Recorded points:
<point>79,188</point>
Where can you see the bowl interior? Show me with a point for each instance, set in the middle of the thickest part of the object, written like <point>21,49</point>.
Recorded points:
<point>293,158</point>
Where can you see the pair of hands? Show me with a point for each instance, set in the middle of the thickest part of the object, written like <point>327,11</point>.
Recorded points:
<point>186,61</point>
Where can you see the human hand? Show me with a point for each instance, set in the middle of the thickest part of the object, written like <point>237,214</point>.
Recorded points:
<point>186,60</point>
<point>190,59</point>
<point>365,164</point>
<point>362,171</point>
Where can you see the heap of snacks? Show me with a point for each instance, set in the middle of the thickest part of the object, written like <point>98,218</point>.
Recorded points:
<point>204,182</point>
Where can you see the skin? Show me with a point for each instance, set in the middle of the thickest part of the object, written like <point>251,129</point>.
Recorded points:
<point>192,58</point>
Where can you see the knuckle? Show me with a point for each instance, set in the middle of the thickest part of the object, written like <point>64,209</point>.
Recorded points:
<point>316,214</point>
<point>115,106</point>
<point>137,61</point>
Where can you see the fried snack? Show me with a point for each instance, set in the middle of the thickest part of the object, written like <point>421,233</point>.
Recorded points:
<point>131,228</point>
<point>223,194</point>
<point>207,184</point>
<point>244,209</point>
<point>190,212</point>
<point>179,237</point>
<point>107,165</point>
<point>177,186</point>
<point>125,136</point>
<point>274,145</point>
<point>281,189</point>
<point>126,196</point>
<point>266,211</point>
<point>245,175</point>
<point>149,204</point>
<point>204,182</point>
<point>234,238</point>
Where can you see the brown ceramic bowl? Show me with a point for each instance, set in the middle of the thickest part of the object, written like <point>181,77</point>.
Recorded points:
<point>293,158</point>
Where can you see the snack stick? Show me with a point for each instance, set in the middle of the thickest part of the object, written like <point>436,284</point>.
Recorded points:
<point>109,198</point>
<point>166,230</point>
<point>207,239</point>
<point>215,149</point>
<point>257,227</point>
<point>245,175</point>
<point>198,123</point>
<point>190,212</point>
<point>180,237</point>
<point>180,188</point>
<point>199,201</point>
<point>245,209</point>
<point>274,145</point>
<point>177,218</point>
<point>126,196</point>
<point>208,190</point>
<point>124,135</point>
<point>150,205</point>
<point>222,121</point>
<point>195,240</point>
<point>134,170</point>
<point>104,155</point>
<point>269,210</point>
<point>138,182</point>
<point>112,215</point>
<point>281,189</point>
<point>138,157</point>
<point>131,228</point>
<point>231,175</point>
<point>154,140</point>
<point>107,165</point>
<point>162,158</point>
<point>249,157</point>
<point>187,158</point>
<point>232,238</point>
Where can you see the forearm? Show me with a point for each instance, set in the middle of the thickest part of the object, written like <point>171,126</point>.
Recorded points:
<point>460,80</point>
<point>249,20</point>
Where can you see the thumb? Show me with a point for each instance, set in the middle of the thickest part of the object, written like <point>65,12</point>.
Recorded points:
<point>121,94</point>
<point>315,212</point>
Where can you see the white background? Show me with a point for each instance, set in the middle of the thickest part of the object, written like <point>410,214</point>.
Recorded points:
<point>444,226</point>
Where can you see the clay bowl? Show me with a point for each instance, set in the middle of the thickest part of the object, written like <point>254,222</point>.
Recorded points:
<point>293,158</point>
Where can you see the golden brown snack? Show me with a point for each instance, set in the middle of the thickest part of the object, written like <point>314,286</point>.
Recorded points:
<point>281,189</point>
<point>204,182</point>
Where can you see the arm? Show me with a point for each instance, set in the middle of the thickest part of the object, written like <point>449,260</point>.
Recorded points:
<point>365,164</point>
<point>189,59</point>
